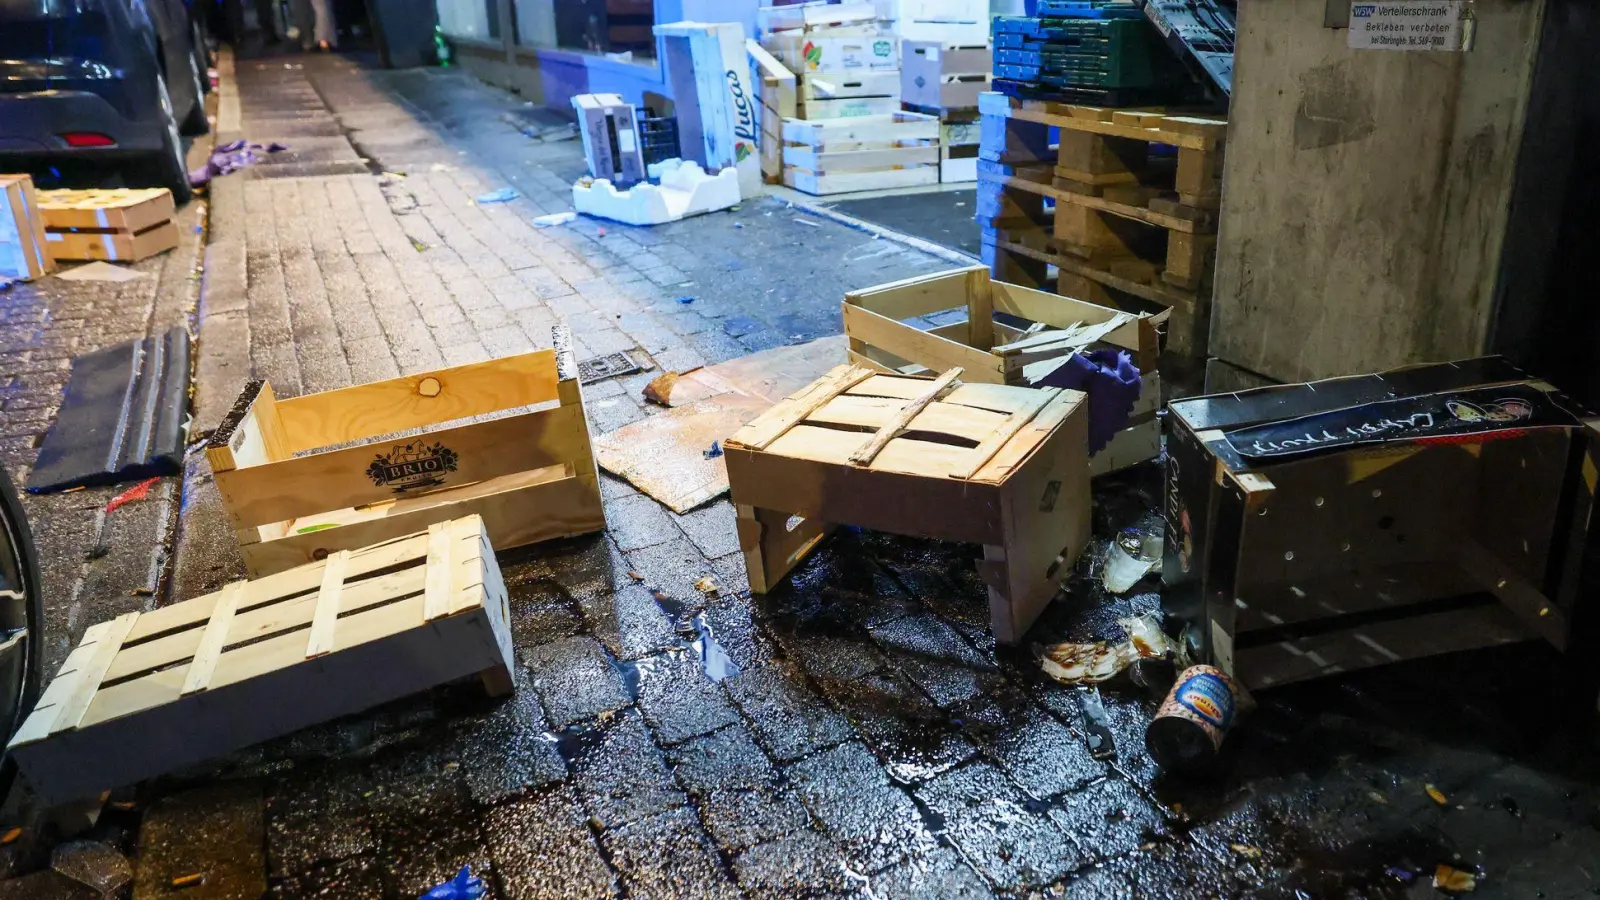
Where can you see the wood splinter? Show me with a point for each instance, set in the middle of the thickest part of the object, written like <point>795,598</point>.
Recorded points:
<point>892,428</point>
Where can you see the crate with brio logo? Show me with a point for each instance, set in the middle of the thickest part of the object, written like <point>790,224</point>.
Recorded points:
<point>1318,528</point>
<point>505,439</point>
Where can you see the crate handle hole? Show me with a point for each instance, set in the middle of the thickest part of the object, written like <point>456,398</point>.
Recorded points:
<point>319,554</point>
<point>429,387</point>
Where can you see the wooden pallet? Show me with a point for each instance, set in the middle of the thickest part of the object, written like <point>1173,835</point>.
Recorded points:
<point>1104,204</point>
<point>860,153</point>
<point>149,693</point>
<point>23,253</point>
<point>882,325</point>
<point>120,224</point>
<point>295,490</point>
<point>987,464</point>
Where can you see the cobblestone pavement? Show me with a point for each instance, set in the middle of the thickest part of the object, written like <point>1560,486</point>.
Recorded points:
<point>876,743</point>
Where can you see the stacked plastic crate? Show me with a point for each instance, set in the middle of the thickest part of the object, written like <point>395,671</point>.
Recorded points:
<point>1086,51</point>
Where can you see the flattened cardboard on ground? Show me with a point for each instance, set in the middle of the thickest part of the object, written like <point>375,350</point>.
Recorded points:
<point>664,455</point>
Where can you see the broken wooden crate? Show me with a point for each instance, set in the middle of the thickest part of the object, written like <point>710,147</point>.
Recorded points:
<point>988,464</point>
<point>429,447</point>
<point>1353,555</point>
<point>776,87</point>
<point>116,224</point>
<point>23,253</point>
<point>860,153</point>
<point>891,328</point>
<point>149,693</point>
<point>1124,206</point>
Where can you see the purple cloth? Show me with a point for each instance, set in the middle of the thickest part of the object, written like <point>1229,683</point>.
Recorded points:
<point>230,157</point>
<point>1110,379</point>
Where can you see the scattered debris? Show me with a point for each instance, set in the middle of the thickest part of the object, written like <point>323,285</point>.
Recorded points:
<point>92,863</point>
<point>665,455</point>
<point>231,157</point>
<point>706,585</point>
<point>1109,377</point>
<point>504,195</point>
<point>1188,730</point>
<point>560,218</point>
<point>714,660</point>
<point>1096,725</point>
<point>1098,661</point>
<point>808,222</point>
<point>465,886</point>
<point>1437,795</point>
<point>1130,557</point>
<point>1404,876</point>
<point>100,271</point>
<point>1246,851</point>
<point>193,879</point>
<point>714,452</point>
<point>635,576</point>
<point>1454,880</point>
<point>686,300</point>
<point>137,492</point>
<point>10,837</point>
<point>770,375</point>
<point>600,231</point>
<point>418,245</point>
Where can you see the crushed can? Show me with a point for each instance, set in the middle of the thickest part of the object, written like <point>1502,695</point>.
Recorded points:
<point>1188,730</point>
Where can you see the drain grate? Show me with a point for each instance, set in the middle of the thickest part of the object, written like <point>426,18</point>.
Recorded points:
<point>599,368</point>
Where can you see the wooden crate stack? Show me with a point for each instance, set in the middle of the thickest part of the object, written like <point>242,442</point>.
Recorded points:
<point>121,224</point>
<point>944,80</point>
<point>1124,206</point>
<point>841,125</point>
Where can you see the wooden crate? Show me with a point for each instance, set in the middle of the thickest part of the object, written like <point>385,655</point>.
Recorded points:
<point>815,16</point>
<point>958,149</point>
<point>149,693</point>
<point>118,224</point>
<point>941,76</point>
<point>1106,206</point>
<point>23,253</point>
<point>779,93</point>
<point>1356,555</point>
<point>880,323</point>
<point>987,464</point>
<point>860,153</point>
<point>295,491</point>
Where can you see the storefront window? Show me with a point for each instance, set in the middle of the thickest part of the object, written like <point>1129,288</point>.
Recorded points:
<point>600,26</point>
<point>471,19</point>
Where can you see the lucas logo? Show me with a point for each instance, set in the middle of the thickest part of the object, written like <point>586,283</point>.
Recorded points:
<point>407,467</point>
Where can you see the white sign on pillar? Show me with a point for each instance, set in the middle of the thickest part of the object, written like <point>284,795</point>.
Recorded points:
<point>1411,25</point>
<point>718,114</point>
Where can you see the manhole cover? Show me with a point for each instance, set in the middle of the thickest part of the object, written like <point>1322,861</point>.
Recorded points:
<point>599,368</point>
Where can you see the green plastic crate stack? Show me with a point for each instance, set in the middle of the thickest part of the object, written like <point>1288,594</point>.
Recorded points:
<point>1086,58</point>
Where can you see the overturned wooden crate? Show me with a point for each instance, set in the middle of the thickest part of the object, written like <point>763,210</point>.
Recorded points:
<point>1124,205</point>
<point>860,153</point>
<point>1316,529</point>
<point>429,447</point>
<point>892,328</point>
<point>776,87</point>
<point>23,251</point>
<point>117,224</point>
<point>150,693</point>
<point>987,464</point>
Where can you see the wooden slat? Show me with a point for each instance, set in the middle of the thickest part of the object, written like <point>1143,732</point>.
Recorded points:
<point>87,680</point>
<point>418,401</point>
<point>198,676</point>
<point>920,294</point>
<point>326,615</point>
<point>1017,450</point>
<point>436,584</point>
<point>771,425</point>
<point>965,422</point>
<point>903,456</point>
<point>1003,435</point>
<point>896,425</point>
<point>909,343</point>
<point>996,397</point>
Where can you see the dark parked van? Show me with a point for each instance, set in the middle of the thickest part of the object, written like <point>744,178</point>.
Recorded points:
<point>101,81</point>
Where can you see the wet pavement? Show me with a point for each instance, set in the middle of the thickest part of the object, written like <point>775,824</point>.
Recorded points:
<point>875,742</point>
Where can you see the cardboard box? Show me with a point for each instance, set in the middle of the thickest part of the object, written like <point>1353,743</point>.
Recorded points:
<point>820,52</point>
<point>22,241</point>
<point>1319,528</point>
<point>610,138</point>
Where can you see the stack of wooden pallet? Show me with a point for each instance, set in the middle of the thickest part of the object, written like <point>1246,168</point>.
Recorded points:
<point>1124,207</point>
<point>121,225</point>
<point>841,125</point>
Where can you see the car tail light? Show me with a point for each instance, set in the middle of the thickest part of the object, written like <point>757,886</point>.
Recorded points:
<point>87,139</point>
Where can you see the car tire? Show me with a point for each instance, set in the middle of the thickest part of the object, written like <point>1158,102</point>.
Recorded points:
<point>196,122</point>
<point>19,563</point>
<point>167,167</point>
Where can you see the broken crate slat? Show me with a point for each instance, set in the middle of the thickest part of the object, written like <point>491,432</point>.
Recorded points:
<point>152,692</point>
